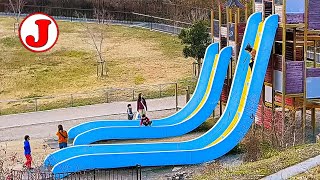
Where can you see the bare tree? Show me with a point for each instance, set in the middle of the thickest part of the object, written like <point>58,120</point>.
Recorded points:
<point>17,6</point>
<point>96,34</point>
<point>100,11</point>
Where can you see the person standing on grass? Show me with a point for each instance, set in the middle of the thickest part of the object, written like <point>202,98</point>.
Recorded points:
<point>63,137</point>
<point>27,152</point>
<point>141,105</point>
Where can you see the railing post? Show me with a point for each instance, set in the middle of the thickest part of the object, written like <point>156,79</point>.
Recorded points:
<point>160,91</point>
<point>133,94</point>
<point>107,96</point>
<point>188,94</point>
<point>71,100</point>
<point>176,94</point>
<point>137,172</point>
<point>36,104</point>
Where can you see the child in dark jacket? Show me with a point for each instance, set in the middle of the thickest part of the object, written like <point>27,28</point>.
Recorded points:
<point>27,151</point>
<point>252,54</point>
<point>145,121</point>
<point>129,112</point>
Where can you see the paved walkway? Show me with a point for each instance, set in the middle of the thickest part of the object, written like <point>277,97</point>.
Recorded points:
<point>74,113</point>
<point>295,170</point>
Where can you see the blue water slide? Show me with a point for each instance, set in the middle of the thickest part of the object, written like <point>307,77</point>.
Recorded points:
<point>210,136</point>
<point>200,114</point>
<point>232,135</point>
<point>200,89</point>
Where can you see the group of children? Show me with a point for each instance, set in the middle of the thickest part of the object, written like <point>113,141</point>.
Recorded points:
<point>144,120</point>
<point>63,135</point>
<point>62,141</point>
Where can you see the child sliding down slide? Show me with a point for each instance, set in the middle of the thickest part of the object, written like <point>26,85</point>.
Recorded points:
<point>145,121</point>
<point>252,54</point>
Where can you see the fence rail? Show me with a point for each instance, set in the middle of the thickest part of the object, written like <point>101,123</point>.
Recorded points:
<point>151,22</point>
<point>130,173</point>
<point>94,97</point>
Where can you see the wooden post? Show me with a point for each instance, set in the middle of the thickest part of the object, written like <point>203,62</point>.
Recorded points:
<point>272,89</point>
<point>315,54</point>
<point>220,36</point>
<point>212,26</point>
<point>263,11</point>
<point>246,12</point>
<point>253,6</point>
<point>228,39</point>
<point>313,121</point>
<point>313,110</point>
<point>273,102</point>
<point>176,94</point>
<point>273,6</point>
<point>284,39</point>
<point>262,109</point>
<point>220,25</point>
<point>305,69</point>
<point>294,44</point>
<point>294,127</point>
<point>238,14</point>
<point>230,15</point>
<point>228,27</point>
<point>236,36</point>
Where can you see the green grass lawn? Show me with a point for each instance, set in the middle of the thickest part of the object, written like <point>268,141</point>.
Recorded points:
<point>134,57</point>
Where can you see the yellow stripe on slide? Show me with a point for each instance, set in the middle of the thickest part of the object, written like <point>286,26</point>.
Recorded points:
<point>244,95</point>
<point>203,100</point>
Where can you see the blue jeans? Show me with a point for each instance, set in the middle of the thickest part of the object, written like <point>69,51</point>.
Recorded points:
<point>62,145</point>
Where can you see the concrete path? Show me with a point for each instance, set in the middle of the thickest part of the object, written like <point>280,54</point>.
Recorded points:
<point>295,170</point>
<point>74,113</point>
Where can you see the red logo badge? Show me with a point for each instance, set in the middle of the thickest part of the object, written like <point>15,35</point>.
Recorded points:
<point>38,32</point>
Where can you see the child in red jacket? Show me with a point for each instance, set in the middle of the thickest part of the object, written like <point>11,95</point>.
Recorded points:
<point>145,121</point>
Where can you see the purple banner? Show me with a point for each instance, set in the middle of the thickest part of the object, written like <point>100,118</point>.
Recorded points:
<point>295,18</point>
<point>313,72</point>
<point>295,11</point>
<point>314,14</point>
<point>294,82</point>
